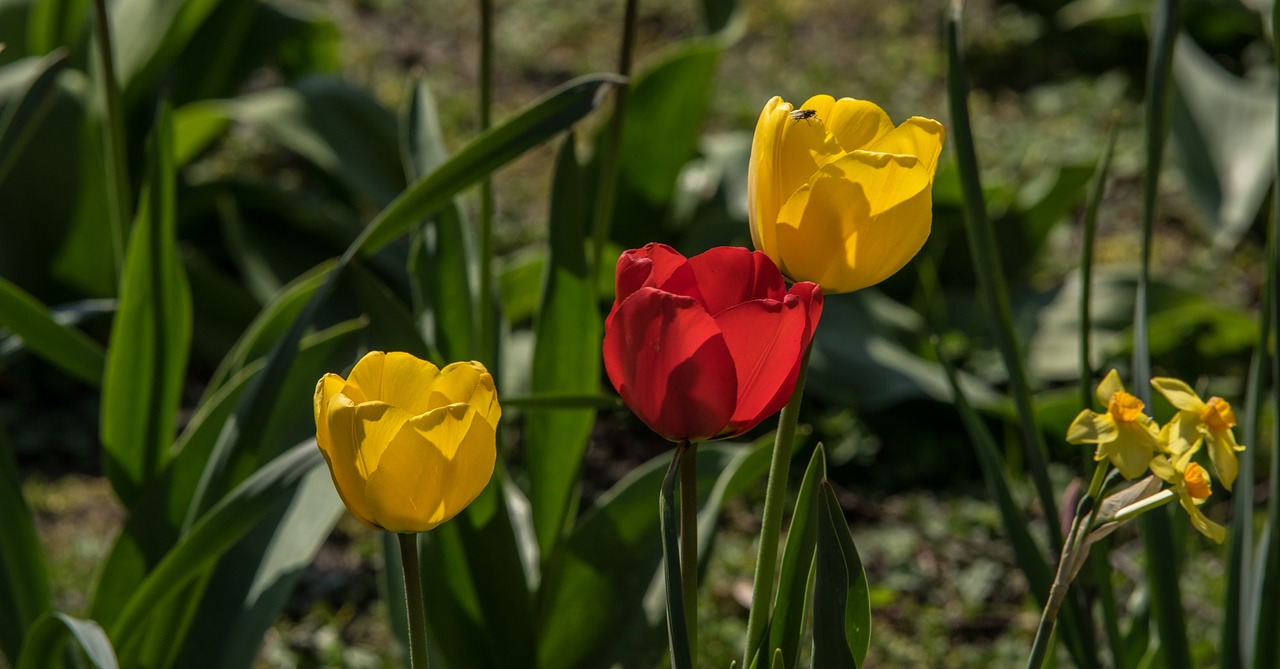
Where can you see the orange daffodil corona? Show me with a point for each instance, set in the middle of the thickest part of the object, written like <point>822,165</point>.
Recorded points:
<point>1134,443</point>
<point>409,445</point>
<point>839,195</point>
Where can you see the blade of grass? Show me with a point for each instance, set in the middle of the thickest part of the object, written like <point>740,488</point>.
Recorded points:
<point>119,191</point>
<point>62,345</point>
<point>1157,533</point>
<point>991,281</point>
<point>488,302</point>
<point>607,186</point>
<point>1089,225</point>
<point>25,594</point>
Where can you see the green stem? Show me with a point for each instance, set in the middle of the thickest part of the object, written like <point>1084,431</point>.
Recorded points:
<point>607,187</point>
<point>484,235</point>
<point>1090,226</point>
<point>413,601</point>
<point>677,626</point>
<point>689,538</point>
<point>771,523</point>
<point>117,167</point>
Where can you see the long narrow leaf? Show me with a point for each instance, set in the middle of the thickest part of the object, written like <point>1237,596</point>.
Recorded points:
<point>62,345</point>
<point>150,336</point>
<point>564,357</point>
<point>49,635</point>
<point>786,625</point>
<point>840,590</point>
<point>24,595</point>
<point>19,118</point>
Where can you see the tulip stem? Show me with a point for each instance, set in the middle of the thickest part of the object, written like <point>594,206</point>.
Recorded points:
<point>771,523</point>
<point>413,600</point>
<point>688,454</point>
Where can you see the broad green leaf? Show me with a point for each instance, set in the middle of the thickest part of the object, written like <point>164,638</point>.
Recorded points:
<point>214,534</point>
<point>791,604</point>
<point>21,115</point>
<point>254,580</point>
<point>601,595</point>
<point>841,602</point>
<point>195,127</point>
<point>150,336</point>
<point>531,126</point>
<point>389,318</point>
<point>474,581</point>
<point>62,345</point>
<point>147,35</point>
<point>155,522</point>
<point>1225,131</point>
<point>48,636</point>
<point>565,358</point>
<point>338,127</point>
<point>24,596</point>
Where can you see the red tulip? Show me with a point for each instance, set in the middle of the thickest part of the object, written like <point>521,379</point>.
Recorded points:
<point>706,347</point>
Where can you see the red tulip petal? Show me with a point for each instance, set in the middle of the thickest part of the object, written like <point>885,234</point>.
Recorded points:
<point>811,295</point>
<point>669,362</point>
<point>648,266</point>
<point>726,276</point>
<point>765,338</point>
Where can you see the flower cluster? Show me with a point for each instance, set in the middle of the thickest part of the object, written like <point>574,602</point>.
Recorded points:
<point>1135,443</point>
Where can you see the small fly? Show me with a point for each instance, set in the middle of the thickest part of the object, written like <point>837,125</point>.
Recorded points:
<point>803,114</point>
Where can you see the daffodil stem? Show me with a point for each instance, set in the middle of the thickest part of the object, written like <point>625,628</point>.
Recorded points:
<point>413,600</point>
<point>688,454</point>
<point>771,523</point>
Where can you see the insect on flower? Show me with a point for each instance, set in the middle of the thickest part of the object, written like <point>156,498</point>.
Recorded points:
<point>803,114</point>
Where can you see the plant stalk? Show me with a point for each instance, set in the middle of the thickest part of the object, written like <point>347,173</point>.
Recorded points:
<point>413,601</point>
<point>771,523</point>
<point>688,454</point>
<point>119,197</point>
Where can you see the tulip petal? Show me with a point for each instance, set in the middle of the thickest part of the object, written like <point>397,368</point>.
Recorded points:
<point>467,383</point>
<point>1090,427</point>
<point>365,380</point>
<point>341,450</point>
<point>785,153</point>
<point>726,276</point>
<point>1109,386</point>
<point>648,266</point>
<point>405,382</point>
<point>917,136</point>
<point>858,221</point>
<point>435,466</point>
<point>1179,394</point>
<point>765,339</point>
<point>668,360</point>
<point>857,124</point>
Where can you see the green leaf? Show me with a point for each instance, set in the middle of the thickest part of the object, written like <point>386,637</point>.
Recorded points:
<point>601,595</point>
<point>214,534</point>
<point>841,601</point>
<point>40,331</point>
<point>20,117</point>
<point>338,127</point>
<point>568,332</point>
<point>49,634</point>
<point>536,123</point>
<point>52,24</point>
<point>390,321</point>
<point>1224,128</point>
<point>786,625</point>
<point>195,127</point>
<point>150,335</point>
<point>149,34</point>
<point>24,596</point>
<point>254,580</point>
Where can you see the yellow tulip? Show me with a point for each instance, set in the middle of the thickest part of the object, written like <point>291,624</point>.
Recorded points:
<point>409,445</point>
<point>838,195</point>
<point>1124,434</point>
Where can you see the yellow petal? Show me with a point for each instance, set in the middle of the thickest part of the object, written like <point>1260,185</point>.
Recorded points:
<point>856,124</point>
<point>1132,450</point>
<point>917,136</point>
<point>365,380</point>
<point>1162,467</point>
<point>785,153</point>
<point>1181,436</point>
<point>1179,394</point>
<point>1222,453</point>
<point>1110,385</point>
<point>1200,521</point>
<point>342,453</point>
<point>857,222</point>
<point>467,383</point>
<point>433,469</point>
<point>1092,428</point>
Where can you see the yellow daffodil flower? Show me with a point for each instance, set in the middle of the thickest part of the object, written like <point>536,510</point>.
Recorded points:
<point>838,195</point>
<point>1190,482</point>
<point>409,445</point>
<point>1199,422</point>
<point>1124,433</point>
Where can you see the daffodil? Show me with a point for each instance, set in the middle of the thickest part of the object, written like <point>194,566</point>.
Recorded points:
<point>1124,433</point>
<point>409,445</point>
<point>1190,482</point>
<point>1198,422</point>
<point>838,195</point>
